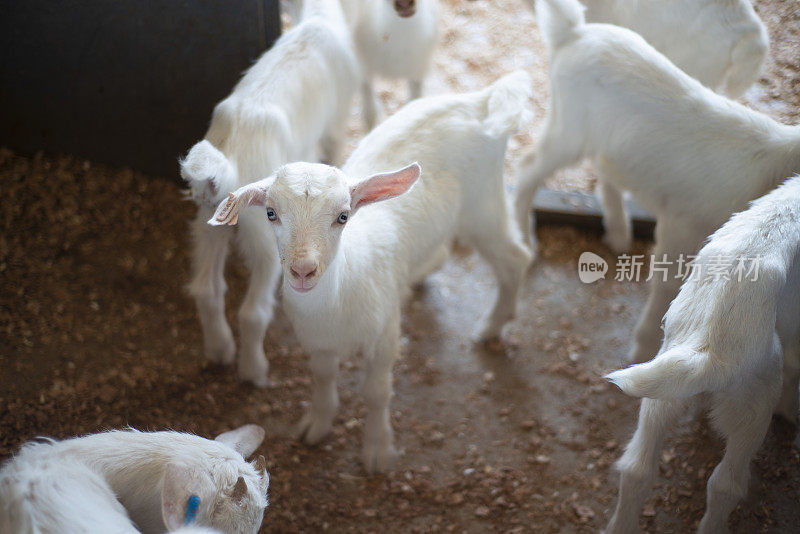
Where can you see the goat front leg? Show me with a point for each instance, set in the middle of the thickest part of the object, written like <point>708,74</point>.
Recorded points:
<point>379,453</point>
<point>257,245</point>
<point>209,252</point>
<point>414,89</point>
<point>318,420</point>
<point>332,144</point>
<point>370,104</point>
<point>639,464</point>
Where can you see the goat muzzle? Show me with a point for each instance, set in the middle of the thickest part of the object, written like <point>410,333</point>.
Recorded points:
<point>405,8</point>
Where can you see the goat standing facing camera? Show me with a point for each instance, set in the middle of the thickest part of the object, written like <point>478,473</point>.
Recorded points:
<point>352,242</point>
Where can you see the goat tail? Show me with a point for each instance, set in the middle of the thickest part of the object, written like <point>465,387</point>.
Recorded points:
<point>210,190</point>
<point>679,372</point>
<point>747,60</point>
<point>558,20</point>
<point>508,104</point>
<point>208,173</point>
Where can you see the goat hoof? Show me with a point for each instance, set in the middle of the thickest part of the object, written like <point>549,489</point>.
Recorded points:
<point>259,380</point>
<point>379,459</point>
<point>254,370</point>
<point>489,333</point>
<point>312,428</point>
<point>223,353</point>
<point>533,252</point>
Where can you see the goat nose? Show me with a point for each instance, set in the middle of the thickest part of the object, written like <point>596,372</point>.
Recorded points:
<point>304,268</point>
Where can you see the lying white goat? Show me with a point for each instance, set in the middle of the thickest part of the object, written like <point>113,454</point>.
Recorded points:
<point>395,39</point>
<point>126,481</point>
<point>295,97</point>
<point>688,155</point>
<point>721,43</point>
<point>348,265</point>
<point>728,334</point>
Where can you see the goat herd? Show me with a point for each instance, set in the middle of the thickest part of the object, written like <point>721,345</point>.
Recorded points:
<point>350,241</point>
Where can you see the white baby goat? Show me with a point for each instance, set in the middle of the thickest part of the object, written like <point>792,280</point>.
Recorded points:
<point>728,333</point>
<point>721,43</point>
<point>294,98</point>
<point>393,38</point>
<point>690,156</point>
<point>127,481</point>
<point>345,280</point>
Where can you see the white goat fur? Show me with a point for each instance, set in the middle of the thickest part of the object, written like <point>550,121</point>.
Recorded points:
<point>364,269</point>
<point>391,46</point>
<point>688,155</point>
<point>295,97</point>
<point>127,481</point>
<point>728,339</point>
<point>721,43</point>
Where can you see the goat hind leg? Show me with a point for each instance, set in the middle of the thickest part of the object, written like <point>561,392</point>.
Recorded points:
<point>789,404</point>
<point>616,222</point>
<point>639,464</point>
<point>500,245</point>
<point>672,241</point>
<point>550,155</point>
<point>743,437</point>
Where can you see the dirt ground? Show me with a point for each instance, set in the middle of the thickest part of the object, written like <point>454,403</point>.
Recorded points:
<point>96,332</point>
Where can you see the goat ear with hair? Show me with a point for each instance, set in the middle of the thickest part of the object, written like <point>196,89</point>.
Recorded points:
<point>261,469</point>
<point>254,194</point>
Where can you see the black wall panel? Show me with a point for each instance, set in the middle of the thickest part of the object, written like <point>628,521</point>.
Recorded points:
<point>126,82</point>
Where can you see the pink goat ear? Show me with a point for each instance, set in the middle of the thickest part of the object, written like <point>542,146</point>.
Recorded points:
<point>384,186</point>
<point>254,194</point>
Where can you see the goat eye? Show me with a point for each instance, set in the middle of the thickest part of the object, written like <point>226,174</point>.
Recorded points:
<point>342,217</point>
<point>271,215</point>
